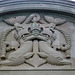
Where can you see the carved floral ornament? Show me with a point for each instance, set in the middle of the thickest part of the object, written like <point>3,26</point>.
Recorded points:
<point>35,38</point>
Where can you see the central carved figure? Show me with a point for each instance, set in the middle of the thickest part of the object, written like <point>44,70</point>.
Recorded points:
<point>36,39</point>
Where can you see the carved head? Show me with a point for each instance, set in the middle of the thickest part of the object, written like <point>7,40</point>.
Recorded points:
<point>14,45</point>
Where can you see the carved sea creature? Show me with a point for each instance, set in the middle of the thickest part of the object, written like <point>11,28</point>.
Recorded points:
<point>43,37</point>
<point>18,57</point>
<point>65,47</point>
<point>13,45</point>
<point>67,37</point>
<point>52,56</point>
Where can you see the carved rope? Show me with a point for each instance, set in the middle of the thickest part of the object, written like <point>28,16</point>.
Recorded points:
<point>67,46</point>
<point>2,42</point>
<point>33,17</point>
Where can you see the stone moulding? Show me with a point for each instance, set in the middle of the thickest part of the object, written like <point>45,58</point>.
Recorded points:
<point>58,5</point>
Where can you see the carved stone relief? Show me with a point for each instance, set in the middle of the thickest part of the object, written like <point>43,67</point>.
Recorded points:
<point>35,41</point>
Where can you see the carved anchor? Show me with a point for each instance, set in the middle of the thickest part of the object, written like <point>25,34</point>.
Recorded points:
<point>32,34</point>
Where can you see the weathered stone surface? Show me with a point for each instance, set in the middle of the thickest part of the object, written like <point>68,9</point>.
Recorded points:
<point>37,43</point>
